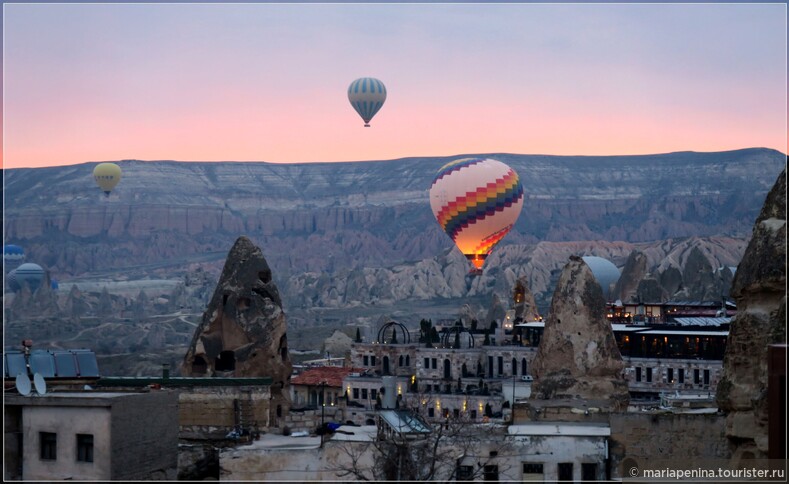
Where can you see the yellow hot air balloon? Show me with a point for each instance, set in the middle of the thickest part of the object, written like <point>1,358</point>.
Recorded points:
<point>107,175</point>
<point>476,201</point>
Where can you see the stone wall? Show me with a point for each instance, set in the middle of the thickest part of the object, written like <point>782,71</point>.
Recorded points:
<point>679,440</point>
<point>210,412</point>
<point>144,431</point>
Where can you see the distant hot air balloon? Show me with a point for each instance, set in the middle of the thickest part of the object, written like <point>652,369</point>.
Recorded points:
<point>107,175</point>
<point>476,201</point>
<point>367,95</point>
<point>12,281</point>
<point>605,273</point>
<point>13,256</point>
<point>30,274</point>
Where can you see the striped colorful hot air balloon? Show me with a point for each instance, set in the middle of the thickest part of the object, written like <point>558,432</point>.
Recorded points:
<point>107,175</point>
<point>476,201</point>
<point>367,95</point>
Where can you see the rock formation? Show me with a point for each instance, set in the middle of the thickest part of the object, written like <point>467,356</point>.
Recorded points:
<point>523,300</point>
<point>634,271</point>
<point>243,330</point>
<point>338,344</point>
<point>578,357</point>
<point>759,287</point>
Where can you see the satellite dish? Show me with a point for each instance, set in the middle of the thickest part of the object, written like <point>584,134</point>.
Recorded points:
<point>23,384</point>
<point>40,384</point>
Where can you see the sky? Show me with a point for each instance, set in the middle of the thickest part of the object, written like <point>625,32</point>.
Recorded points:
<point>268,82</point>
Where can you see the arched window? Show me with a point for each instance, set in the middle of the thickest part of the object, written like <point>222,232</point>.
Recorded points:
<point>523,367</point>
<point>514,367</point>
<point>447,369</point>
<point>400,362</point>
<point>386,365</point>
<point>407,360</point>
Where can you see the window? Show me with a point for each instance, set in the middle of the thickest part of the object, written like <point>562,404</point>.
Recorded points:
<point>400,361</point>
<point>706,377</point>
<point>589,471</point>
<point>532,472</point>
<point>364,394</point>
<point>373,393</point>
<point>366,360</point>
<point>431,412</point>
<point>356,394</point>
<point>670,375</point>
<point>85,447</point>
<point>681,375</point>
<point>465,473</point>
<point>456,412</point>
<point>473,414</point>
<point>696,378</point>
<point>407,360</point>
<point>565,470</point>
<point>49,445</point>
<point>427,363</point>
<point>491,473</point>
<point>649,374</point>
<point>372,360</point>
<point>638,373</point>
<point>500,361</point>
<point>433,363</point>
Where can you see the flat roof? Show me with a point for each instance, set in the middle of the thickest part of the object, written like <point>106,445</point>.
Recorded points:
<point>181,381</point>
<point>685,333</point>
<point>70,399</point>
<point>625,327</point>
<point>351,433</point>
<point>576,430</point>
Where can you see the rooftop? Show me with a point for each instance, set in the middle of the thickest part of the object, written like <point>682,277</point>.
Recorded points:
<point>564,428</point>
<point>331,375</point>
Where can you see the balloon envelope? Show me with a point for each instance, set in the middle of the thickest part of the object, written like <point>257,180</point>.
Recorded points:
<point>367,95</point>
<point>107,175</point>
<point>605,273</point>
<point>30,274</point>
<point>476,202</point>
<point>12,281</point>
<point>13,252</point>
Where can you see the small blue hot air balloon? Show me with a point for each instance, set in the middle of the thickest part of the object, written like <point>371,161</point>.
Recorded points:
<point>13,256</point>
<point>367,95</point>
<point>30,274</point>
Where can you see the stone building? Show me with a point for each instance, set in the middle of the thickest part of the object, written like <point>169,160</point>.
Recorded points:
<point>91,436</point>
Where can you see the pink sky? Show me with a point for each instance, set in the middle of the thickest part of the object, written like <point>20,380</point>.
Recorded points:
<point>213,82</point>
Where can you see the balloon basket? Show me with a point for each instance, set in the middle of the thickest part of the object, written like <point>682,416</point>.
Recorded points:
<point>366,125</point>
<point>475,272</point>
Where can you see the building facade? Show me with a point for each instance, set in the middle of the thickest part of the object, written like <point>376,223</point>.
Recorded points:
<point>91,436</point>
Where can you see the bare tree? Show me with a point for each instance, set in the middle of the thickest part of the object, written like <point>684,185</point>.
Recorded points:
<point>456,448</point>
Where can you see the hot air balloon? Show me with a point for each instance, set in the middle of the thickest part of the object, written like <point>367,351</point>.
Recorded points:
<point>30,274</point>
<point>12,281</point>
<point>367,95</point>
<point>107,175</point>
<point>605,273</point>
<point>13,256</point>
<point>476,201</point>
